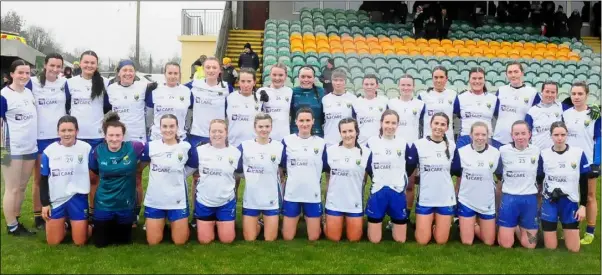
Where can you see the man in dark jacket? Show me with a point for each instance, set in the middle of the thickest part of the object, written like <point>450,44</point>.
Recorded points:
<point>560,23</point>
<point>248,58</point>
<point>575,25</point>
<point>419,19</point>
<point>430,28</point>
<point>326,75</point>
<point>444,24</point>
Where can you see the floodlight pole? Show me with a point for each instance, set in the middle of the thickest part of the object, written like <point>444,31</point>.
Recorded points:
<point>137,32</point>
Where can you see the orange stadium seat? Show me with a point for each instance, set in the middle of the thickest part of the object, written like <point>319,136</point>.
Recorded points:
<point>541,46</point>
<point>389,52</point>
<point>401,52</point>
<point>334,38</point>
<point>384,39</point>
<point>409,40</point>
<point>458,42</point>
<point>505,44</point>
<point>371,39</point>
<point>552,46</point>
<point>359,38</point>
<point>529,45</point>
<point>494,44</point>
<point>470,43</point>
<point>517,45</point>
<point>446,42</point>
<point>434,42</point>
<point>396,39</point>
<point>481,43</point>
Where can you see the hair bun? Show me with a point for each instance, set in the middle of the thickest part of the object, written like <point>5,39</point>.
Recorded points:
<point>111,116</point>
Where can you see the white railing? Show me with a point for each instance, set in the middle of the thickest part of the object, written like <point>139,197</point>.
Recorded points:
<point>201,21</point>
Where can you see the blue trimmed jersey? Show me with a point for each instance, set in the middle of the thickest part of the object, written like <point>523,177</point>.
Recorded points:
<point>50,102</point>
<point>260,164</point>
<point>410,115</point>
<point>346,185</point>
<point>435,102</point>
<point>209,103</point>
<point>367,114</point>
<point>305,159</point>
<point>540,118</point>
<point>336,108</point>
<point>562,170</point>
<point>279,108</point>
<point>89,112</point>
<point>514,105</point>
<point>18,110</point>
<point>167,100</point>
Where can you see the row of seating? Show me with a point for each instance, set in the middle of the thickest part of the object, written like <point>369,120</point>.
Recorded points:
<point>495,27</point>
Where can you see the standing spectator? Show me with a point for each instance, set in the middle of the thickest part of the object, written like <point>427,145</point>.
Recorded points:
<point>430,28</point>
<point>560,23</point>
<point>325,77</point>
<point>67,72</point>
<point>444,24</point>
<point>197,64</point>
<point>229,74</point>
<point>536,13</point>
<point>4,80</point>
<point>403,12</point>
<point>419,19</point>
<point>596,23</point>
<point>76,69</point>
<point>548,18</point>
<point>575,25</point>
<point>248,58</point>
<point>502,12</point>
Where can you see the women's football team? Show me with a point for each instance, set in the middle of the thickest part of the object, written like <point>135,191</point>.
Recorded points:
<point>89,143</point>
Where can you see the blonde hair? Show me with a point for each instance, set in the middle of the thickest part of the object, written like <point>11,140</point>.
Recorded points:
<point>261,116</point>
<point>220,121</point>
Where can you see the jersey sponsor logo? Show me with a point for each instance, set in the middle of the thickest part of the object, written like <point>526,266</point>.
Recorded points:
<point>512,174</point>
<point>339,172</point>
<point>23,116</point>
<point>299,162</point>
<point>403,122</point>
<point>62,172</point>
<point>381,165</point>
<point>433,168</point>
<point>473,176</point>
<point>473,115</point>
<point>541,129</point>
<point>255,170</point>
<point>506,108</point>
<point>82,101</point>
<point>159,169</point>
<point>203,101</point>
<point>559,179</point>
<point>121,110</point>
<point>366,120</point>
<point>159,108</point>
<point>211,172</point>
<point>334,116</point>
<point>273,110</point>
<point>238,117</point>
<point>47,101</point>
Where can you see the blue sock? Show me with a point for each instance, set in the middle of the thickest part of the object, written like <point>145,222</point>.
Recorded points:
<point>12,227</point>
<point>590,229</point>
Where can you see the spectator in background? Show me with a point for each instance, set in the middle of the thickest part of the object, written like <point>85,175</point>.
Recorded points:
<point>196,64</point>
<point>575,25</point>
<point>4,79</point>
<point>326,75</point>
<point>596,23</point>
<point>76,69</point>
<point>560,23</point>
<point>67,72</point>
<point>403,12</point>
<point>548,18</point>
<point>228,73</point>
<point>536,13</point>
<point>419,19</point>
<point>444,24</point>
<point>502,12</point>
<point>430,28</point>
<point>248,58</point>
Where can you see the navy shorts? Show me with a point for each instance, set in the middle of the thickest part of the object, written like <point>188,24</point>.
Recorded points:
<point>43,143</point>
<point>170,214</point>
<point>563,210</point>
<point>93,142</point>
<point>441,210</point>
<point>518,210</point>
<point>121,216</point>
<point>343,214</point>
<point>257,212</point>
<point>293,209</point>
<point>224,213</point>
<point>467,212</point>
<point>387,202</point>
<point>76,209</point>
<point>197,140</point>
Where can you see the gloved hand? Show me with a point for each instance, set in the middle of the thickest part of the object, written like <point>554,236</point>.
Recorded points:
<point>263,96</point>
<point>152,86</point>
<point>595,171</point>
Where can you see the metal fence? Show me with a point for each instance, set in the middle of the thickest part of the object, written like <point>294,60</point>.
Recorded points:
<point>201,21</point>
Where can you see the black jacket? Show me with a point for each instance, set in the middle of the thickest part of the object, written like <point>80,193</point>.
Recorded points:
<point>248,60</point>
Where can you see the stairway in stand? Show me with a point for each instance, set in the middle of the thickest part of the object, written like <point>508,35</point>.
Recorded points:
<point>593,42</point>
<point>236,42</point>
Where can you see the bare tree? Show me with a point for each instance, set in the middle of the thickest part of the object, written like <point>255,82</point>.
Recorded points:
<point>41,40</point>
<point>12,22</point>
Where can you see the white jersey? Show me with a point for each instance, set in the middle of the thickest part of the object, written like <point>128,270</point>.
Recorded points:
<point>167,176</point>
<point>67,171</point>
<point>540,118</point>
<point>346,185</point>
<point>50,102</point>
<point>209,104</point>
<point>519,169</point>
<point>477,190</point>
<point>18,111</point>
<point>389,163</point>
<point>514,105</point>
<point>336,108</point>
<point>409,113</point>
<point>562,170</point>
<point>435,102</point>
<point>279,108</point>
<point>436,186</point>
<point>216,168</point>
<point>129,103</point>
<point>582,131</point>
<point>167,100</point>
<point>471,108</point>
<point>367,114</point>
<point>304,158</point>
<point>89,112</point>
<point>260,163</point>
<point>241,113</point>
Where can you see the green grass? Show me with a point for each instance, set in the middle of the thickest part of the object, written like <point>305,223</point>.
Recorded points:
<point>32,255</point>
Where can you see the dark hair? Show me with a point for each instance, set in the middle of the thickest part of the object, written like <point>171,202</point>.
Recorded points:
<point>520,122</point>
<point>42,74</point>
<point>313,85</point>
<point>357,131</point>
<point>437,68</point>
<point>370,76</point>
<point>441,114</point>
<point>98,84</point>
<point>478,70</point>
<point>558,124</point>
<point>111,119</point>
<point>13,68</point>
<point>304,110</point>
<point>520,66</point>
<point>219,65</point>
<point>382,118</point>
<point>581,84</point>
<point>252,73</point>
<point>549,82</point>
<point>407,76</point>
<point>67,119</point>
<point>172,116</point>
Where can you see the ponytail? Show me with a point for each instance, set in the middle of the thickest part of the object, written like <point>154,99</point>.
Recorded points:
<point>98,84</point>
<point>447,154</point>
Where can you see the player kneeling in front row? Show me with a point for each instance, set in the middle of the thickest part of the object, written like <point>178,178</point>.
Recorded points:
<point>565,189</point>
<point>65,184</point>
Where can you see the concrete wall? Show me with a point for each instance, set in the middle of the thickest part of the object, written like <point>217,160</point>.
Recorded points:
<point>282,10</point>
<point>194,46</point>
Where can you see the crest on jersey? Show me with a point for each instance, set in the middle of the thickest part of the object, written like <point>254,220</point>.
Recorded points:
<point>526,100</point>
<point>586,122</point>
<point>490,164</point>
<point>316,151</point>
<point>125,97</point>
<point>358,161</point>
<point>256,107</point>
<point>488,105</point>
<point>88,88</point>
<point>136,97</point>
<point>399,152</point>
<point>557,114</point>
<point>126,160</point>
<point>380,109</point>
<point>273,158</point>
<point>348,105</point>
<point>220,93</point>
<point>414,111</point>
<point>180,156</point>
<point>574,165</point>
<point>450,101</point>
<point>231,161</point>
<point>286,98</point>
<point>338,104</point>
<point>181,98</point>
<point>533,160</point>
<point>80,159</point>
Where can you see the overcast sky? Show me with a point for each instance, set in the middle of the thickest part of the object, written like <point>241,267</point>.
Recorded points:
<point>109,28</point>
